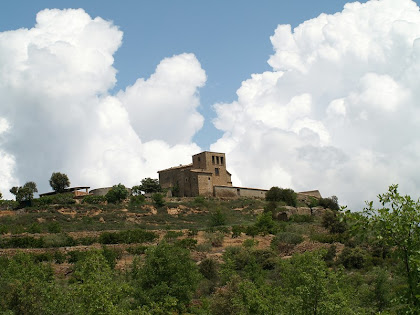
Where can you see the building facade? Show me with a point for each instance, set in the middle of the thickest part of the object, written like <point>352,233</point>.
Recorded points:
<point>208,169</point>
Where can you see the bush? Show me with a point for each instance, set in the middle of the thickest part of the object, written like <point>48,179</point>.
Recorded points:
<point>331,221</point>
<point>301,218</point>
<point>137,200</point>
<point>353,258</point>
<point>170,235</point>
<point>127,237</point>
<point>237,230</point>
<point>158,199</point>
<point>287,238</point>
<point>22,242</point>
<point>188,243</point>
<point>34,228</point>
<point>53,227</point>
<point>116,194</point>
<point>111,255</point>
<point>94,200</point>
<point>215,239</point>
<point>58,240</point>
<point>265,224</point>
<point>217,218</point>
<point>209,268</point>
<point>137,250</point>
<point>331,203</point>
<point>280,194</point>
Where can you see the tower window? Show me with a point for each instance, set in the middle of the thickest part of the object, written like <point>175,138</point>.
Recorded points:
<point>217,159</point>
<point>212,159</point>
<point>221,160</point>
<point>216,171</point>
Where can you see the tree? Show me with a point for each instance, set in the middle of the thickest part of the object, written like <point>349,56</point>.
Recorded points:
<point>397,224</point>
<point>279,194</point>
<point>149,185</point>
<point>168,272</point>
<point>116,194</point>
<point>59,182</point>
<point>24,193</point>
<point>1,196</point>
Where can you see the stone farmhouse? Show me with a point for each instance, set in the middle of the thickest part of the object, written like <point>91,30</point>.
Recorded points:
<point>207,176</point>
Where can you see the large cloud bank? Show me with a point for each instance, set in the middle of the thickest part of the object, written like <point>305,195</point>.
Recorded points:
<point>339,111</point>
<point>56,113</point>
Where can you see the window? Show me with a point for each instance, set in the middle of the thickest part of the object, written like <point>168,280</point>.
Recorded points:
<point>216,171</point>
<point>198,159</point>
<point>212,159</point>
<point>221,160</point>
<point>217,159</point>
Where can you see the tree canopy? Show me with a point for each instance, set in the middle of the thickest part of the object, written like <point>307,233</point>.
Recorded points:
<point>24,193</point>
<point>116,194</point>
<point>59,182</point>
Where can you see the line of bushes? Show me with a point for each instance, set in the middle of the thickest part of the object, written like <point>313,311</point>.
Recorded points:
<point>65,240</point>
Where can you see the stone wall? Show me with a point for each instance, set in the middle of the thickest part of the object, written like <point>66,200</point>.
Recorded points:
<point>236,192</point>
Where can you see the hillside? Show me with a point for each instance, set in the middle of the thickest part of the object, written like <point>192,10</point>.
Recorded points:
<point>192,255</point>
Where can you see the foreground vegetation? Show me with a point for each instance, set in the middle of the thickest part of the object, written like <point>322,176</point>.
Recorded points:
<point>209,256</point>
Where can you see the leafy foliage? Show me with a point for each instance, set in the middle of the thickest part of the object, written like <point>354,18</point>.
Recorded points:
<point>330,203</point>
<point>168,271</point>
<point>59,182</point>
<point>158,199</point>
<point>116,194</point>
<point>280,194</point>
<point>25,193</point>
<point>149,185</point>
<point>397,224</point>
<point>94,200</point>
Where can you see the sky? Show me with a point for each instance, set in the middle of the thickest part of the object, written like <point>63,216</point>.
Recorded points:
<point>301,94</point>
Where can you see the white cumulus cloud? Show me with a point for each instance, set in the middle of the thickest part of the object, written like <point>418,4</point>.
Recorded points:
<point>57,113</point>
<point>339,110</point>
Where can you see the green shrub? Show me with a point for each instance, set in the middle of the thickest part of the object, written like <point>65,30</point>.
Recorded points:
<point>88,240</point>
<point>215,239</point>
<point>353,258</point>
<point>76,255</point>
<point>331,203</point>
<point>301,218</point>
<point>22,242</point>
<point>217,218</point>
<point>332,221</point>
<point>111,255</point>
<point>249,243</point>
<point>325,238</point>
<point>158,199</point>
<point>265,224</point>
<point>209,268</point>
<point>237,230</point>
<point>137,250</point>
<point>58,240</point>
<point>188,243</point>
<point>53,227</point>
<point>137,200</point>
<point>34,228</point>
<point>280,194</point>
<point>94,200</point>
<point>170,235</point>
<point>3,229</point>
<point>116,194</point>
<point>287,238</point>
<point>127,237</point>
<point>59,257</point>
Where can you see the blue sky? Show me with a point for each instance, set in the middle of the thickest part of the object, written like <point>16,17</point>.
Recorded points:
<point>300,94</point>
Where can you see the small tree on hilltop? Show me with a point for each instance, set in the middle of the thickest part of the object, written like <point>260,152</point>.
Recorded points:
<point>24,193</point>
<point>59,182</point>
<point>279,194</point>
<point>116,194</point>
<point>1,196</point>
<point>150,185</point>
